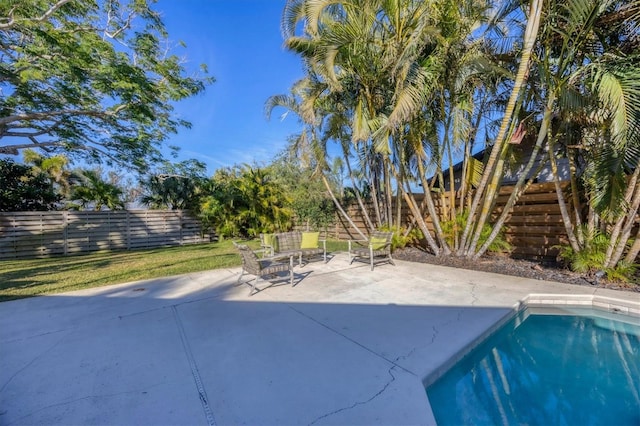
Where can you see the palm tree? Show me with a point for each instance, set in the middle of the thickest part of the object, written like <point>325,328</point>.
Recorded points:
<point>245,201</point>
<point>351,47</point>
<point>404,86</point>
<point>387,63</point>
<point>175,186</point>
<point>55,167</point>
<point>487,190</point>
<point>97,192</point>
<point>306,102</point>
<point>589,63</point>
<point>266,204</point>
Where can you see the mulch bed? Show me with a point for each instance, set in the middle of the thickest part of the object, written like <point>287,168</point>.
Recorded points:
<point>548,271</point>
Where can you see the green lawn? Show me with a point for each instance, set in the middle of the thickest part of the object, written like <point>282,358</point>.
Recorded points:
<point>33,277</point>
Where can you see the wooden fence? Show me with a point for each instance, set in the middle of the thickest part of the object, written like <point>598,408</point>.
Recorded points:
<point>534,227</point>
<point>42,234</point>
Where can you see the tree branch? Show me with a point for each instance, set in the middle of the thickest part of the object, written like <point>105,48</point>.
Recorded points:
<point>13,149</point>
<point>50,114</point>
<point>12,133</point>
<point>12,21</point>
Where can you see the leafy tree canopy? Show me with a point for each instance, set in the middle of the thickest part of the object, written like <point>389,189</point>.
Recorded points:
<point>309,199</point>
<point>24,189</point>
<point>95,192</point>
<point>54,167</point>
<point>90,79</point>
<point>245,201</point>
<point>176,186</point>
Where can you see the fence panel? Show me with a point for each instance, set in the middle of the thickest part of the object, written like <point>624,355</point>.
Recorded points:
<point>534,227</point>
<point>42,234</point>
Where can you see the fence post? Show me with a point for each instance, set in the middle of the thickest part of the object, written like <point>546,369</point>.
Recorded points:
<point>181,223</point>
<point>128,231</point>
<point>65,232</point>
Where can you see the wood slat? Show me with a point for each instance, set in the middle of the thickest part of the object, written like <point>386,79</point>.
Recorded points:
<point>544,218</point>
<point>537,230</point>
<point>536,241</point>
<point>544,198</point>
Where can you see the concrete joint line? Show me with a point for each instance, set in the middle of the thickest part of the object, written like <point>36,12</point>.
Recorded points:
<point>194,369</point>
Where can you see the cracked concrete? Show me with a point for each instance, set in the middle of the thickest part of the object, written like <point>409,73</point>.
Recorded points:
<point>344,346</point>
<point>472,292</point>
<point>354,405</point>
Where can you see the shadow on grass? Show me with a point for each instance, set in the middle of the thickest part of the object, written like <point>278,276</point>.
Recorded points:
<point>32,277</point>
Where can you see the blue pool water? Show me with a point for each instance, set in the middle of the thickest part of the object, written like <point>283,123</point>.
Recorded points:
<point>546,369</point>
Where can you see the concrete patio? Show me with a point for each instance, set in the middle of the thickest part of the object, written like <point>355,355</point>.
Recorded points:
<point>344,346</point>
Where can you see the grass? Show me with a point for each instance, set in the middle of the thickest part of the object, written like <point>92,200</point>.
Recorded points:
<point>33,277</point>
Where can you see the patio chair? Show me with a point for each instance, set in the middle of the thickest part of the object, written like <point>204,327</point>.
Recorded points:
<point>374,250</point>
<point>268,244</point>
<point>262,268</point>
<point>300,244</point>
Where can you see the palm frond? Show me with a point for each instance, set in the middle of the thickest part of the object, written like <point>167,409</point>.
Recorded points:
<point>608,183</point>
<point>293,13</point>
<point>475,168</point>
<point>410,98</point>
<point>381,135</point>
<point>284,101</point>
<point>313,11</point>
<point>360,124</point>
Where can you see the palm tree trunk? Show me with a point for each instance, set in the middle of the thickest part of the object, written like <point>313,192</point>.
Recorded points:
<point>431,208</point>
<point>468,149</point>
<point>634,252</point>
<point>447,210</point>
<point>363,210</point>
<point>575,192</point>
<point>417,215</point>
<point>388,192</point>
<point>566,217</point>
<point>462,192</point>
<point>518,188</point>
<point>531,33</point>
<point>373,186</point>
<point>488,203</point>
<point>339,207</point>
<point>451,199</point>
<point>620,235</point>
<point>398,206</point>
<point>412,223</point>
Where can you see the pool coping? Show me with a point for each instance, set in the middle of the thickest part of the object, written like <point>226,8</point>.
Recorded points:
<point>538,300</point>
<point>610,304</point>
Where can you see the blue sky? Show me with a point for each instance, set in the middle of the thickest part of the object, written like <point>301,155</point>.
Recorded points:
<point>241,44</point>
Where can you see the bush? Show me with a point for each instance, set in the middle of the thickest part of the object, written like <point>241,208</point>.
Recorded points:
<point>400,240</point>
<point>591,258</point>
<point>453,229</point>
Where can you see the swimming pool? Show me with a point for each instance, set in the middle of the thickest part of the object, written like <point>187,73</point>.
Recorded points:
<point>569,366</point>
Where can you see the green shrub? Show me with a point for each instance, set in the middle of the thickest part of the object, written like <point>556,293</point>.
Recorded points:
<point>400,240</point>
<point>591,258</point>
<point>453,229</point>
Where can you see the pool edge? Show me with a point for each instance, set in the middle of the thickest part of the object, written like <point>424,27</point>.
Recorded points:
<point>611,304</point>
